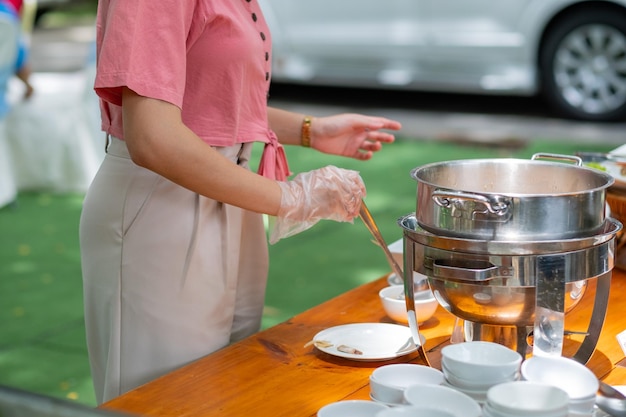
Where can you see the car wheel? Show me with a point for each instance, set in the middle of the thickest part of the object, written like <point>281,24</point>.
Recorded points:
<point>583,66</point>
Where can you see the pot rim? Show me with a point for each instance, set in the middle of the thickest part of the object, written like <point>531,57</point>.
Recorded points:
<point>606,179</point>
<point>416,233</point>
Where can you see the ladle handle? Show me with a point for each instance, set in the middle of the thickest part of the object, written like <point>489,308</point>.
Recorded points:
<point>366,217</point>
<point>369,222</point>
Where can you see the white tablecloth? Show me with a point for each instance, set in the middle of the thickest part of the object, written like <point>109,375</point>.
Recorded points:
<point>54,138</point>
<point>8,186</point>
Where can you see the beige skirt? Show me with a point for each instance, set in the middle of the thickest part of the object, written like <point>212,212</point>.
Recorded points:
<point>169,276</point>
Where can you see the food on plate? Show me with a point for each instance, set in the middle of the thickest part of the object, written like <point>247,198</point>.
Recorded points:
<point>319,343</point>
<point>348,349</point>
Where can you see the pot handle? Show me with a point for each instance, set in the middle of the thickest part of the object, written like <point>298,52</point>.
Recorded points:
<point>466,270</point>
<point>452,199</point>
<point>577,160</point>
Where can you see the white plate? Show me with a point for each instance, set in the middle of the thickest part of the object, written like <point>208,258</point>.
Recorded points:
<point>374,341</point>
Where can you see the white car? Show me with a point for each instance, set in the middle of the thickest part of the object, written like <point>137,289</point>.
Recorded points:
<point>573,52</point>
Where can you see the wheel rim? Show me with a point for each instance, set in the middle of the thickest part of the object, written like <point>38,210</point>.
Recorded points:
<point>590,69</point>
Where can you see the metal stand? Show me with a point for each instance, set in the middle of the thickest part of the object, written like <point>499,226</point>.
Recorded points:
<point>546,295</point>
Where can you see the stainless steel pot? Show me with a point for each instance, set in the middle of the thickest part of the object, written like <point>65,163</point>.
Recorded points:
<point>511,199</point>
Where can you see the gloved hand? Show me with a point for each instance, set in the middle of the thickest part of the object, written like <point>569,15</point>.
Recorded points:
<point>327,193</point>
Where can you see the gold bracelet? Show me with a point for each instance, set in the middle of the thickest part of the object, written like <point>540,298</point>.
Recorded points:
<point>305,137</point>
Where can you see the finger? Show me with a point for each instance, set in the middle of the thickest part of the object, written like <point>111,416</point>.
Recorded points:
<point>381,137</point>
<point>392,125</point>
<point>384,123</point>
<point>371,146</point>
<point>363,155</point>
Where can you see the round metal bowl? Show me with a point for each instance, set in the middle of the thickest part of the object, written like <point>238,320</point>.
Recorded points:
<point>502,290</point>
<point>496,304</point>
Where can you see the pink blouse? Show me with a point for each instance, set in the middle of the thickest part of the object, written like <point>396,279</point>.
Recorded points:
<point>211,58</point>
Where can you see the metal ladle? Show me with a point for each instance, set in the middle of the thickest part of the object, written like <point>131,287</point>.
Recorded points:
<point>610,400</point>
<point>366,217</point>
<point>368,220</point>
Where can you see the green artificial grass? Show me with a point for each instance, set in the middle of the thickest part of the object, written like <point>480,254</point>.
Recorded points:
<point>42,347</point>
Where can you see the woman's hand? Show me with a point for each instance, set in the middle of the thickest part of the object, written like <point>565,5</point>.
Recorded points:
<point>352,135</point>
<point>326,193</point>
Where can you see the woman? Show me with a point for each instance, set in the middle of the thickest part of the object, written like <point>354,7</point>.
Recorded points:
<point>173,243</point>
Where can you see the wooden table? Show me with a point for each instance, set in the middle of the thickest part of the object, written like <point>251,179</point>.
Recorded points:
<point>274,373</point>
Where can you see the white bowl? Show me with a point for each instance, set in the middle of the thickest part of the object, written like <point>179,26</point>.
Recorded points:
<point>392,299</point>
<point>573,377</point>
<point>488,411</point>
<point>480,396</point>
<point>444,398</point>
<point>590,414</point>
<point>388,382</point>
<point>356,408</point>
<point>474,383</point>
<point>376,400</point>
<point>485,361</point>
<point>397,250</point>
<point>582,407</point>
<point>578,381</point>
<point>527,399</point>
<point>414,411</point>
<point>390,396</point>
<point>419,280</point>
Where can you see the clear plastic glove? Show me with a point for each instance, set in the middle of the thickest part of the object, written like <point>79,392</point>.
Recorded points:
<point>327,193</point>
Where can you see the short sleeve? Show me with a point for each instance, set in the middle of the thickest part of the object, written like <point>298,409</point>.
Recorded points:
<point>142,45</point>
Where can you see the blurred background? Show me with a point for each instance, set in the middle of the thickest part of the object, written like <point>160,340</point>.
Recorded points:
<point>464,82</point>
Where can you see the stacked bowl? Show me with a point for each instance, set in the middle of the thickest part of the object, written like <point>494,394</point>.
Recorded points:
<point>578,381</point>
<point>388,382</point>
<point>354,408</point>
<point>474,367</point>
<point>525,399</point>
<point>443,398</point>
<point>414,411</point>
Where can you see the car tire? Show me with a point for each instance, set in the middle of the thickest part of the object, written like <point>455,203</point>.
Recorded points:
<point>583,66</point>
